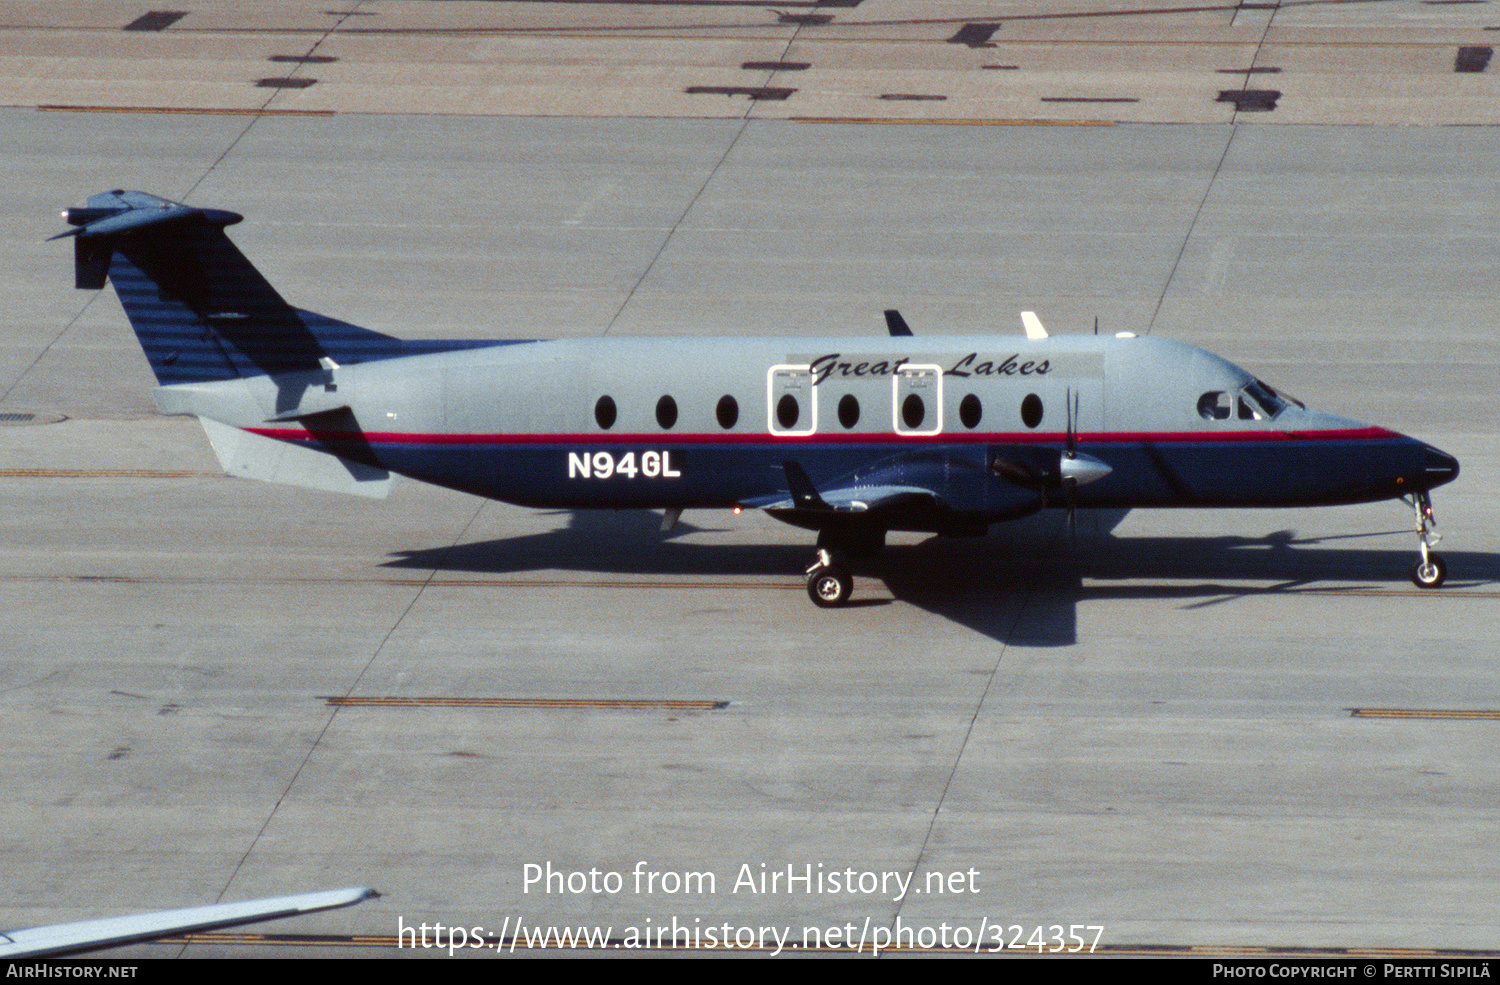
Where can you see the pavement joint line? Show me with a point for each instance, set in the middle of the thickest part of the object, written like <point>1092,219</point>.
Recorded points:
<point>182,110</point>
<point>1457,714</point>
<point>105,474</point>
<point>949,122</point>
<point>670,704</point>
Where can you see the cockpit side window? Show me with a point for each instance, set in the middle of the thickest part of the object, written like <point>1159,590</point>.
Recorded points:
<point>1215,405</point>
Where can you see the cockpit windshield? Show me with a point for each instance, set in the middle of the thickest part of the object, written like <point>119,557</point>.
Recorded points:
<point>1282,395</point>
<point>1263,397</point>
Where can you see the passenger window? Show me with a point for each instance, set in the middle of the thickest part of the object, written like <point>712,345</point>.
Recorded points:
<point>728,412</point>
<point>604,412</point>
<point>970,411</point>
<point>1031,410</point>
<point>848,410</point>
<point>913,411</point>
<point>787,412</point>
<point>666,413</point>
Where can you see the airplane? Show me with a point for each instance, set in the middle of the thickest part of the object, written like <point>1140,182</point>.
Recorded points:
<point>847,437</point>
<point>91,935</point>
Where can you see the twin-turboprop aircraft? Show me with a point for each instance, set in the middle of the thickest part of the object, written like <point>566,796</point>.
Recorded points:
<point>846,437</point>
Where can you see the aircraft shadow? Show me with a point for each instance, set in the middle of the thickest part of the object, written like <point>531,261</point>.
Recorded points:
<point>1018,586</point>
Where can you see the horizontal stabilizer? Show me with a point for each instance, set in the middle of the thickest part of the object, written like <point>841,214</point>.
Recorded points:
<point>130,218</point>
<point>111,216</point>
<point>251,456</point>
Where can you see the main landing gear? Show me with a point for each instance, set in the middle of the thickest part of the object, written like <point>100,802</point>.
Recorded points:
<point>1429,571</point>
<point>829,583</point>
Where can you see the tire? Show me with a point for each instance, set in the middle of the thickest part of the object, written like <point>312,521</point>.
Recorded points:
<point>829,586</point>
<point>1429,575</point>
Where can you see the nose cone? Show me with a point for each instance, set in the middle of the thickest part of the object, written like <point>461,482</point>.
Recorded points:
<point>1438,467</point>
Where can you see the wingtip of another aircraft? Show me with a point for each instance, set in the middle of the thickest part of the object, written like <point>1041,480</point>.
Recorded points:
<point>87,935</point>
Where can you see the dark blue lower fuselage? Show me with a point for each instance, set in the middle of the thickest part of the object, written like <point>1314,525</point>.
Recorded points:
<point>1259,468</point>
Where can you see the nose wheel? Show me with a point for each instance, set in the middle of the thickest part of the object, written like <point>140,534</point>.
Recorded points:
<point>1430,571</point>
<point>829,583</point>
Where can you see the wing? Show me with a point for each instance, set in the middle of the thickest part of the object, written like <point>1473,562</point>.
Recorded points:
<point>930,492</point>
<point>88,935</point>
<point>864,498</point>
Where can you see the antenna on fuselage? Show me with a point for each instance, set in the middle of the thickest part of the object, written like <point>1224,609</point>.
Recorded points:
<point>895,324</point>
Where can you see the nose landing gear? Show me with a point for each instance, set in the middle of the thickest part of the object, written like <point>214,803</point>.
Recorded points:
<point>1429,571</point>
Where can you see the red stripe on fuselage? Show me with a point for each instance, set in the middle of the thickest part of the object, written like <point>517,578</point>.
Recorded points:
<point>887,438</point>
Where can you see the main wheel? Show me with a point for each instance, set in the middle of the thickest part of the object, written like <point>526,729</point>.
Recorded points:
<point>829,586</point>
<point>1429,575</point>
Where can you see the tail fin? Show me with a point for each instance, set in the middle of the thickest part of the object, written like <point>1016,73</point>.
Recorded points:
<point>200,309</point>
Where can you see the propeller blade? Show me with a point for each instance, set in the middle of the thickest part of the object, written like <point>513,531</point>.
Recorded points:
<point>1072,407</point>
<point>1069,478</point>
